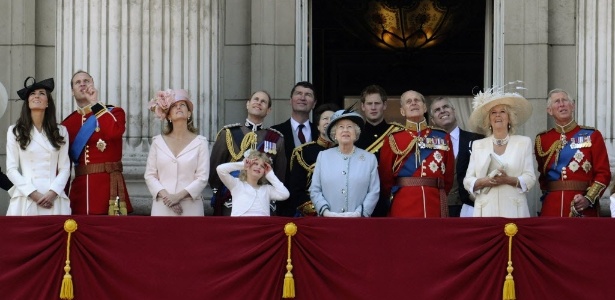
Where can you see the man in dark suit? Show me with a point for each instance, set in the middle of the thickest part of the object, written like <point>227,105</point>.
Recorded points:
<point>297,130</point>
<point>442,114</point>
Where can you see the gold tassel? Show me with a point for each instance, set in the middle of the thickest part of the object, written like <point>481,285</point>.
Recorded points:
<point>66,292</point>
<point>289,282</point>
<point>509,284</point>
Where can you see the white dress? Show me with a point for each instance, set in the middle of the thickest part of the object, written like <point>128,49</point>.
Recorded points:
<point>247,200</point>
<point>503,200</point>
<point>40,167</point>
<point>188,171</point>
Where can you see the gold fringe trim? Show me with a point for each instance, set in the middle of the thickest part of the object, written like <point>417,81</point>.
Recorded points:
<point>248,141</point>
<point>290,229</point>
<point>66,292</point>
<point>509,284</point>
<point>400,154</point>
<point>553,150</point>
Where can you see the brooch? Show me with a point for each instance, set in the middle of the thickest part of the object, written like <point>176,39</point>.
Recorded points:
<point>101,145</point>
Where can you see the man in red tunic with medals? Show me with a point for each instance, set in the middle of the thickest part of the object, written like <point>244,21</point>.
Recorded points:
<point>417,164</point>
<point>95,135</point>
<point>572,161</point>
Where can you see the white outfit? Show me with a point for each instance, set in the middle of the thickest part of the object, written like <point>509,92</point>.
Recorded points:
<point>503,200</point>
<point>248,201</point>
<point>188,171</point>
<point>40,167</point>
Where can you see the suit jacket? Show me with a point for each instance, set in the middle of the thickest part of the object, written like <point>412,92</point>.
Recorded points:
<point>40,167</point>
<point>466,139</point>
<point>286,208</point>
<point>289,141</point>
<point>5,182</point>
<point>502,200</point>
<point>189,171</point>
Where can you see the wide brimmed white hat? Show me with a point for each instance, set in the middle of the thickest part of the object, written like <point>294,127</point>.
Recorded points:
<point>484,101</point>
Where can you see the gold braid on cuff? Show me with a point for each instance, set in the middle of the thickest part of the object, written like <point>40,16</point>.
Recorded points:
<point>594,191</point>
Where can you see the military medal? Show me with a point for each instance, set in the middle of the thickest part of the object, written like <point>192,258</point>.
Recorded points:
<point>101,145</point>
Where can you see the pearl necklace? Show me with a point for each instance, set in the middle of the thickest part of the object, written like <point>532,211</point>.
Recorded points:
<point>344,155</point>
<point>501,142</point>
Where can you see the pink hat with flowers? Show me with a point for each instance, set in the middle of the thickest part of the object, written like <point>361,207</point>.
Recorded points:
<point>163,100</point>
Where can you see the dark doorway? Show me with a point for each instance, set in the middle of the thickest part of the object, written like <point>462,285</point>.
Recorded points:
<point>345,62</point>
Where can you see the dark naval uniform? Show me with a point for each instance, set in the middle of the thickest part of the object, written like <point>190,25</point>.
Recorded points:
<point>371,140</point>
<point>417,169</point>
<point>231,143</point>
<point>571,160</point>
<point>302,163</point>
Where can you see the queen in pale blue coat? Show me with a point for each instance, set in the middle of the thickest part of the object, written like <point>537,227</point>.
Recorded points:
<point>345,182</point>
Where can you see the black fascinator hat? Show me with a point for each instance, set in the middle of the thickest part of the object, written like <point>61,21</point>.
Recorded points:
<point>47,84</point>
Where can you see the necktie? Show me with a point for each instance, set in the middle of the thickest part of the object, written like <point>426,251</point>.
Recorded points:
<point>300,134</point>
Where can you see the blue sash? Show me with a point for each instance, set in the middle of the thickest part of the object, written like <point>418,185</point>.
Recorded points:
<point>84,134</point>
<point>565,156</point>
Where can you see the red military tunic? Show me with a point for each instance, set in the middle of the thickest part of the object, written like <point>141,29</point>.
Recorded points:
<point>90,193</point>
<point>581,167</point>
<point>398,170</point>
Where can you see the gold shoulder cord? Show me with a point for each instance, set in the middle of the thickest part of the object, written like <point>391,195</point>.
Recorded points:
<point>248,141</point>
<point>377,144</point>
<point>401,154</point>
<point>554,149</point>
<point>298,154</point>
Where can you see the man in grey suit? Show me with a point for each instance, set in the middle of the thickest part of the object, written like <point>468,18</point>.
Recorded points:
<point>442,114</point>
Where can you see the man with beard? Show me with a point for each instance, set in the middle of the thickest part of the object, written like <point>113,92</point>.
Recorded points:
<point>373,105</point>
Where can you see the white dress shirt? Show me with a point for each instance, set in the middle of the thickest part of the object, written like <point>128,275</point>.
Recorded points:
<point>307,131</point>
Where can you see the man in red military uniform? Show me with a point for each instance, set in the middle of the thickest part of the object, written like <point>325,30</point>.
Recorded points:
<point>572,161</point>
<point>95,135</point>
<point>417,164</point>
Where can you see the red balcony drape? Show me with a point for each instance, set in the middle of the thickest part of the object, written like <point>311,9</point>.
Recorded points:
<point>333,258</point>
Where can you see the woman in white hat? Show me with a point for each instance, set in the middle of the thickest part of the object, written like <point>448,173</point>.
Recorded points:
<point>501,168</point>
<point>177,166</point>
<point>37,155</point>
<point>345,182</point>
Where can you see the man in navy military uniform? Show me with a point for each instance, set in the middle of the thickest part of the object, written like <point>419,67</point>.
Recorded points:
<point>234,140</point>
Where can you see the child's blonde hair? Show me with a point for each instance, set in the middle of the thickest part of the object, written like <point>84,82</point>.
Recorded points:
<point>255,154</point>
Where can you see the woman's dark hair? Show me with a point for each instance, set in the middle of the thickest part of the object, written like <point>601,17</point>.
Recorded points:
<point>24,125</point>
<point>322,108</point>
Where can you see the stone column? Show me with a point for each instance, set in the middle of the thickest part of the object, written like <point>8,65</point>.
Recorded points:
<point>595,62</point>
<point>133,49</point>
<point>26,49</point>
<point>526,58</point>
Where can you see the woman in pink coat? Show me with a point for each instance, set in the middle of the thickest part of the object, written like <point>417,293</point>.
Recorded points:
<point>178,163</point>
